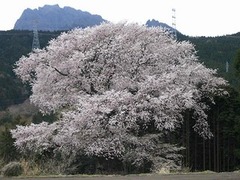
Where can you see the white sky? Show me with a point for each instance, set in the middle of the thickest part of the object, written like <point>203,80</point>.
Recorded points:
<point>193,17</point>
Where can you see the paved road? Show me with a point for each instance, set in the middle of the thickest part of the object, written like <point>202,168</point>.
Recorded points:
<point>189,176</point>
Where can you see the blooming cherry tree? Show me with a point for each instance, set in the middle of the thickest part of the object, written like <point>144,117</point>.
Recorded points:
<point>116,87</point>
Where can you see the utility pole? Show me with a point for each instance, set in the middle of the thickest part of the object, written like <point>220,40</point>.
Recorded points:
<point>35,43</point>
<point>174,23</point>
<point>227,66</point>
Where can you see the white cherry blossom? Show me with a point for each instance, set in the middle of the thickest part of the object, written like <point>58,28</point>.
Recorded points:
<point>114,86</point>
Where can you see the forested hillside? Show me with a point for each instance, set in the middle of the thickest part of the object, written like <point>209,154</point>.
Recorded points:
<point>217,52</point>
<point>14,44</point>
<point>220,153</point>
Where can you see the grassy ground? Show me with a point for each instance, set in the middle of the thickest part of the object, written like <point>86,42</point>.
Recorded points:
<point>183,176</point>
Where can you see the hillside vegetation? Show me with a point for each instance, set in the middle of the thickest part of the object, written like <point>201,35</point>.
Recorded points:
<point>13,45</point>
<point>221,153</point>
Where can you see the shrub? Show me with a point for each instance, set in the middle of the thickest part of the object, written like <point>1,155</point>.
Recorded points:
<point>8,152</point>
<point>12,169</point>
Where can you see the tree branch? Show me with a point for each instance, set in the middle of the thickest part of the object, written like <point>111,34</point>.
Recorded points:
<point>63,74</point>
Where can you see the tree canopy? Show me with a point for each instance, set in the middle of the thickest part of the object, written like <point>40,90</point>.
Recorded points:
<point>117,88</point>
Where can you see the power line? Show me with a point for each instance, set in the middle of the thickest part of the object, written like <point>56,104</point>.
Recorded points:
<point>27,33</point>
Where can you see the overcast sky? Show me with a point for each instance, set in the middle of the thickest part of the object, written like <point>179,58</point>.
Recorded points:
<point>193,17</point>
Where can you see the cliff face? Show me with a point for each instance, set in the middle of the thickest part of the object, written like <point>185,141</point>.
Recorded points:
<point>52,18</point>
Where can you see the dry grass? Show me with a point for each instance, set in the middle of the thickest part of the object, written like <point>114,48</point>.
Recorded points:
<point>30,168</point>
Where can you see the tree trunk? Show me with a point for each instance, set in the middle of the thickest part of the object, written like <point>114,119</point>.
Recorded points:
<point>209,155</point>
<point>214,147</point>
<point>204,156</point>
<point>223,156</point>
<point>195,154</point>
<point>218,148</point>
<point>187,140</point>
<point>228,156</point>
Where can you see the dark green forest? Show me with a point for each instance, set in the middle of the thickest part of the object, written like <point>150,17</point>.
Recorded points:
<point>14,44</point>
<point>220,153</point>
